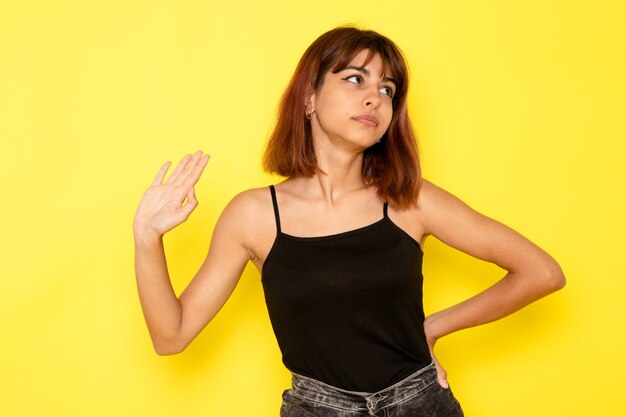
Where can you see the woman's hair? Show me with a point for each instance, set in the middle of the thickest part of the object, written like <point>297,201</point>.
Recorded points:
<point>391,165</point>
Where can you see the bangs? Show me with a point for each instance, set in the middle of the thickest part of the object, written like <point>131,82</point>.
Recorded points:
<point>346,60</point>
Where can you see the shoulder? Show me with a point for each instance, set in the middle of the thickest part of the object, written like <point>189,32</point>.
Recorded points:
<point>249,205</point>
<point>417,220</point>
<point>252,198</point>
<point>431,200</point>
<point>437,212</point>
<point>249,220</point>
<point>434,203</point>
<point>432,194</point>
<point>422,219</point>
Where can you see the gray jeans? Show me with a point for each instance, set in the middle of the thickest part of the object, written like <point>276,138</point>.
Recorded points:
<point>418,395</point>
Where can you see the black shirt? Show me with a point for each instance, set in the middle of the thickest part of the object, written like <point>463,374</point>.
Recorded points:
<point>347,308</point>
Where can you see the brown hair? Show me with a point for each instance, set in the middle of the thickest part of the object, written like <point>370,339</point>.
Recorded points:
<point>392,165</point>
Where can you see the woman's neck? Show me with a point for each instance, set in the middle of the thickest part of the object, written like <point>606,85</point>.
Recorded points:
<point>339,173</point>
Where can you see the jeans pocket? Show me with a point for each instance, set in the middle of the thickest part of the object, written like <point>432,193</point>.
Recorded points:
<point>437,401</point>
<point>448,402</point>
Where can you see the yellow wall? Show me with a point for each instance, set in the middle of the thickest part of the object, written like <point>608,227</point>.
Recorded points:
<point>519,107</point>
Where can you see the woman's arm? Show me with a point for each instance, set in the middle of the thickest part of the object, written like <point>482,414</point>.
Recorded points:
<point>173,322</point>
<point>532,273</point>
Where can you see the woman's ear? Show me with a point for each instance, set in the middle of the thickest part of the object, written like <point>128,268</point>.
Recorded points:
<point>309,102</point>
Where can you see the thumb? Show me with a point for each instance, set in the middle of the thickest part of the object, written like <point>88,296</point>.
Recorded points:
<point>443,380</point>
<point>191,203</point>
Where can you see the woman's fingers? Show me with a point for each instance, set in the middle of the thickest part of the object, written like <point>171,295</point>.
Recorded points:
<point>158,179</point>
<point>179,168</point>
<point>442,375</point>
<point>193,175</point>
<point>188,171</point>
<point>190,167</point>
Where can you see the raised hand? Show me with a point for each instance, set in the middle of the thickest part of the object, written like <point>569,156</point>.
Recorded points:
<point>163,205</point>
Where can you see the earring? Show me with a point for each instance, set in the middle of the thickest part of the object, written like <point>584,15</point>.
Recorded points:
<point>309,115</point>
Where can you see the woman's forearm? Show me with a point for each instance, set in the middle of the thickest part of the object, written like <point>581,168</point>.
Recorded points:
<point>508,295</point>
<point>161,308</point>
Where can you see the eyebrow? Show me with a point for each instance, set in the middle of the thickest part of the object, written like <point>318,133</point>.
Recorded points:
<point>367,73</point>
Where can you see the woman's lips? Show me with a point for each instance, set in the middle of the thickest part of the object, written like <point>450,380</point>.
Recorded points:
<point>367,120</point>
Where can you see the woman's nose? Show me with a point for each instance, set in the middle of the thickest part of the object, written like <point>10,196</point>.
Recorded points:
<point>372,99</point>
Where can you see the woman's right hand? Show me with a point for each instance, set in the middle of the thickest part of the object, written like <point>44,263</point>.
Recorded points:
<point>161,207</point>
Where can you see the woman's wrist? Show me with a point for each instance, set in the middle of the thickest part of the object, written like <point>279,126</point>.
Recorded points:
<point>145,236</point>
<point>431,329</point>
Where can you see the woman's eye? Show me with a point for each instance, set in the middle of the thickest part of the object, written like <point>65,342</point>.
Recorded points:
<point>387,90</point>
<point>356,79</point>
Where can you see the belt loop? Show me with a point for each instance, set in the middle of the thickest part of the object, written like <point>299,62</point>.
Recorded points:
<point>373,401</point>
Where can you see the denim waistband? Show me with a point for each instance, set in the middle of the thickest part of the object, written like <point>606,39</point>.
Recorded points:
<point>316,391</point>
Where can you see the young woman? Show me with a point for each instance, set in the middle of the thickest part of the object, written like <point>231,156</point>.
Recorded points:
<point>338,243</point>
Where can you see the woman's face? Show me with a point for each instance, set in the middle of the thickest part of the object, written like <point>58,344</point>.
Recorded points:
<point>354,106</point>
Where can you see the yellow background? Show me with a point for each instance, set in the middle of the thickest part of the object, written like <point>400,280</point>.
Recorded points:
<point>519,107</point>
